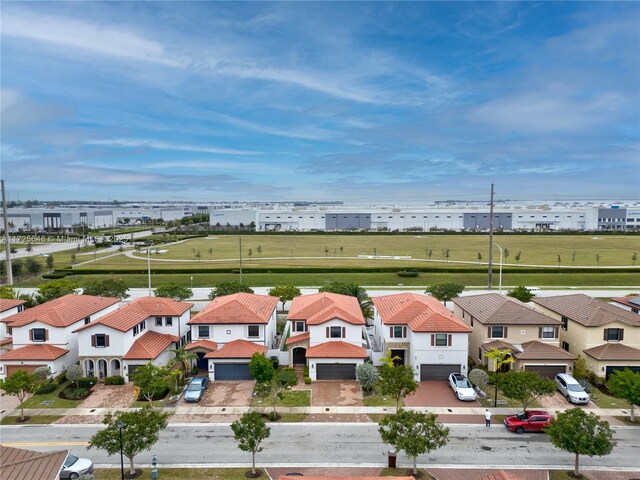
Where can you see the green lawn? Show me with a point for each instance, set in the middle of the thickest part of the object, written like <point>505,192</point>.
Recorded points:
<point>564,475</point>
<point>291,398</point>
<point>488,401</point>
<point>36,400</point>
<point>33,420</point>
<point>290,417</point>
<point>406,471</point>
<point>376,399</point>
<point>144,403</point>
<point>606,401</point>
<point>182,473</point>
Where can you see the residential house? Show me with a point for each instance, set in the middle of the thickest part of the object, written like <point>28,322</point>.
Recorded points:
<point>327,333</point>
<point>607,337</point>
<point>233,325</point>
<point>505,323</point>
<point>43,335</point>
<point>145,330</point>
<point>8,308</point>
<point>418,330</point>
<point>631,303</point>
<point>23,464</point>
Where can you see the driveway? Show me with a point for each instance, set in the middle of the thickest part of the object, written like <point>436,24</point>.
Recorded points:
<point>329,393</point>
<point>8,403</point>
<point>558,401</point>
<point>225,394</point>
<point>109,396</point>
<point>436,394</point>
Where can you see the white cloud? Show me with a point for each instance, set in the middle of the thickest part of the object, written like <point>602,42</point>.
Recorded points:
<point>157,145</point>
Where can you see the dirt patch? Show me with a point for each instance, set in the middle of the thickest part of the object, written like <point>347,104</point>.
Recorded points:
<point>436,394</point>
<point>80,420</point>
<point>278,472</point>
<point>225,394</point>
<point>558,401</point>
<point>110,396</point>
<point>203,418</point>
<point>330,393</point>
<point>338,417</point>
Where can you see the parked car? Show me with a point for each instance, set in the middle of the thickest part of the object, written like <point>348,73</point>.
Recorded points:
<point>74,467</point>
<point>570,388</point>
<point>528,421</point>
<point>196,387</point>
<point>461,386</point>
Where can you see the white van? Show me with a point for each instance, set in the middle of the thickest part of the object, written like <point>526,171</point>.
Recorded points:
<point>570,388</point>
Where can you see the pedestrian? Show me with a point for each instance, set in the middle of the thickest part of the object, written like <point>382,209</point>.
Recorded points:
<point>487,418</point>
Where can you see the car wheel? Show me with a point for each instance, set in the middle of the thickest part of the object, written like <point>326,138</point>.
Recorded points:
<point>519,430</point>
<point>74,476</point>
<point>569,399</point>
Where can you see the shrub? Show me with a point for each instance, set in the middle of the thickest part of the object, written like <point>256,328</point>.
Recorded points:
<point>87,382</point>
<point>75,393</point>
<point>276,362</point>
<point>307,380</point>
<point>42,373</point>
<point>62,377</point>
<point>407,273</point>
<point>46,388</point>
<point>306,370</point>
<point>74,373</point>
<point>288,376</point>
<point>115,380</point>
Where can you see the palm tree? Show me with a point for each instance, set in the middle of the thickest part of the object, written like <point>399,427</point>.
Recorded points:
<point>182,358</point>
<point>500,359</point>
<point>366,305</point>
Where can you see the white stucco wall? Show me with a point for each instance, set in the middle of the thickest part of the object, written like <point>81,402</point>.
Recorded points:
<point>318,333</point>
<point>55,366</point>
<point>222,334</point>
<point>423,352</point>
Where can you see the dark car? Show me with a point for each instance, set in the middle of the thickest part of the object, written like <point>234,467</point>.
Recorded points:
<point>528,421</point>
<point>195,389</point>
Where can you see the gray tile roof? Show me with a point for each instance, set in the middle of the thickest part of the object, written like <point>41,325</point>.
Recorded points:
<point>495,309</point>
<point>588,311</point>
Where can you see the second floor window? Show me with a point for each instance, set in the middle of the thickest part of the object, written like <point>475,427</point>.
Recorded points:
<point>168,321</point>
<point>87,320</point>
<point>38,335</point>
<point>101,340</point>
<point>253,331</point>
<point>565,323</point>
<point>441,340</point>
<point>398,331</point>
<point>158,321</point>
<point>497,332</point>
<point>548,332</point>
<point>298,326</point>
<point>613,334</point>
<point>203,331</point>
<point>335,332</point>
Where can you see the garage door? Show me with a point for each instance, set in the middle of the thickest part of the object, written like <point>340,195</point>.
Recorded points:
<point>610,370</point>
<point>11,369</point>
<point>548,371</point>
<point>232,371</point>
<point>335,371</point>
<point>437,372</point>
<point>132,369</point>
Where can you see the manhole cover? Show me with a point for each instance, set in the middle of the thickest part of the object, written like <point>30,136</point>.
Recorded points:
<point>46,402</point>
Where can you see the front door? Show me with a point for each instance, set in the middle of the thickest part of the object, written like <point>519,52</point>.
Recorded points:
<point>398,357</point>
<point>299,356</point>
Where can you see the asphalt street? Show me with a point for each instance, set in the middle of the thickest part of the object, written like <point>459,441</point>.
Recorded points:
<point>332,445</point>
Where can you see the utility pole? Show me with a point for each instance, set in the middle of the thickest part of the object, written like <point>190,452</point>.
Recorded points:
<point>240,239</point>
<point>490,285</point>
<point>7,246</point>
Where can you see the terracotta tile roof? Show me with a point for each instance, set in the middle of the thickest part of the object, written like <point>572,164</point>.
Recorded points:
<point>63,311</point>
<point>34,352</point>
<point>128,316</point>
<point>321,307</point>
<point>237,349</point>
<point>613,351</point>
<point>496,309</point>
<point>588,311</point>
<point>21,463</point>
<point>297,338</point>
<point>9,303</point>
<point>535,350</point>
<point>632,302</point>
<point>420,312</point>
<point>206,344</point>
<point>336,349</point>
<point>150,345</point>
<point>6,341</point>
<point>239,308</point>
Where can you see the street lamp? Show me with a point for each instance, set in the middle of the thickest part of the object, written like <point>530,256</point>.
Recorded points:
<point>500,276</point>
<point>149,264</point>
<point>120,425</point>
<point>191,281</point>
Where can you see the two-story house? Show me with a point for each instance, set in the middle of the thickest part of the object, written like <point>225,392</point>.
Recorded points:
<point>145,330</point>
<point>418,330</point>
<point>229,330</point>
<point>43,335</point>
<point>505,323</point>
<point>630,303</point>
<point>326,332</point>
<point>607,337</point>
<point>8,308</point>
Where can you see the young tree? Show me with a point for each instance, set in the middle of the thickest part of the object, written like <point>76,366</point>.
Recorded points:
<point>250,253</point>
<point>598,259</point>
<point>229,288</point>
<point>414,433</point>
<point>573,257</point>
<point>140,431</point>
<point>367,376</point>
<point>274,389</point>
<point>580,370</point>
<point>109,287</point>
<point>261,368</point>
<point>479,257</point>
<point>183,358</point>
<point>249,432</point>
<point>29,248</point>
<point>151,380</point>
<point>285,293</point>
<point>7,293</point>
<point>445,291</point>
<point>581,433</point>
<point>521,293</point>
<point>429,253</point>
<point>500,359</point>
<point>326,251</point>
<point>506,254</point>
<point>173,290</point>
<point>259,249</point>
<point>397,381</point>
<point>74,258</point>
<point>74,373</point>
<point>559,259</point>
<point>341,250</point>
<point>20,384</point>
<point>42,374</point>
<point>211,253</point>
<point>517,257</point>
<point>33,266</point>
<point>634,258</point>
<point>625,384</point>
<point>50,263</point>
<point>198,255</point>
<point>525,386</point>
<point>479,378</point>
<point>55,289</point>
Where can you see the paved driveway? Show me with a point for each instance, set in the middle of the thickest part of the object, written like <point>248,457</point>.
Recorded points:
<point>558,401</point>
<point>109,396</point>
<point>436,394</point>
<point>329,393</point>
<point>225,394</point>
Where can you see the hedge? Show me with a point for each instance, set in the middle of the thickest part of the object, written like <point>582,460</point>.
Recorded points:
<point>115,380</point>
<point>87,382</point>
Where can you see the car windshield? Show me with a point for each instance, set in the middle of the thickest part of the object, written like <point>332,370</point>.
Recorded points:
<point>194,387</point>
<point>71,459</point>
<point>464,383</point>
<point>572,387</point>
<point>522,416</point>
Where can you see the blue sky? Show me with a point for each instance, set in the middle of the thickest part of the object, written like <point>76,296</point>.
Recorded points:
<point>374,102</point>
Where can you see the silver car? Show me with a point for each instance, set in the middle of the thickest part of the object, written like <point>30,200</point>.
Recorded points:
<point>196,388</point>
<point>75,467</point>
<point>570,388</point>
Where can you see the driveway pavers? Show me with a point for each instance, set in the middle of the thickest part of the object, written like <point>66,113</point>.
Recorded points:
<point>436,394</point>
<point>335,393</point>
<point>109,396</point>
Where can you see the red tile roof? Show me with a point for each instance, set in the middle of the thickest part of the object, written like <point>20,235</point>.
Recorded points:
<point>21,463</point>
<point>297,338</point>
<point>420,312</point>
<point>239,308</point>
<point>63,311</point>
<point>6,341</point>
<point>34,352</point>
<point>206,344</point>
<point>127,317</point>
<point>150,345</point>
<point>614,351</point>
<point>336,349</point>
<point>324,306</point>
<point>237,349</point>
<point>9,303</point>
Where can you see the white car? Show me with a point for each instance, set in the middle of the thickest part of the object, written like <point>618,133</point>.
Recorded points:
<point>461,386</point>
<point>571,389</point>
<point>75,467</point>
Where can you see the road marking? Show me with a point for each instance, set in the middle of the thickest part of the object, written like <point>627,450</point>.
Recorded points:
<point>46,444</point>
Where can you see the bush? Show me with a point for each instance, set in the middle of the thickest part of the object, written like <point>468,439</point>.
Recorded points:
<point>75,393</point>
<point>407,273</point>
<point>307,380</point>
<point>60,379</point>
<point>115,380</point>
<point>276,363</point>
<point>306,370</point>
<point>87,382</point>
<point>288,376</point>
<point>46,388</point>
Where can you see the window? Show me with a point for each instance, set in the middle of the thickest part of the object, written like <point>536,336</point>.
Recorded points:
<point>398,332</point>
<point>548,332</point>
<point>472,320</point>
<point>441,339</point>
<point>480,353</point>
<point>143,325</point>
<point>101,340</point>
<point>613,334</point>
<point>168,321</point>
<point>253,331</point>
<point>203,331</point>
<point>565,323</point>
<point>565,346</point>
<point>136,330</point>
<point>9,330</point>
<point>158,321</point>
<point>38,335</point>
<point>497,332</point>
<point>87,320</point>
<point>298,326</point>
<point>335,332</point>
